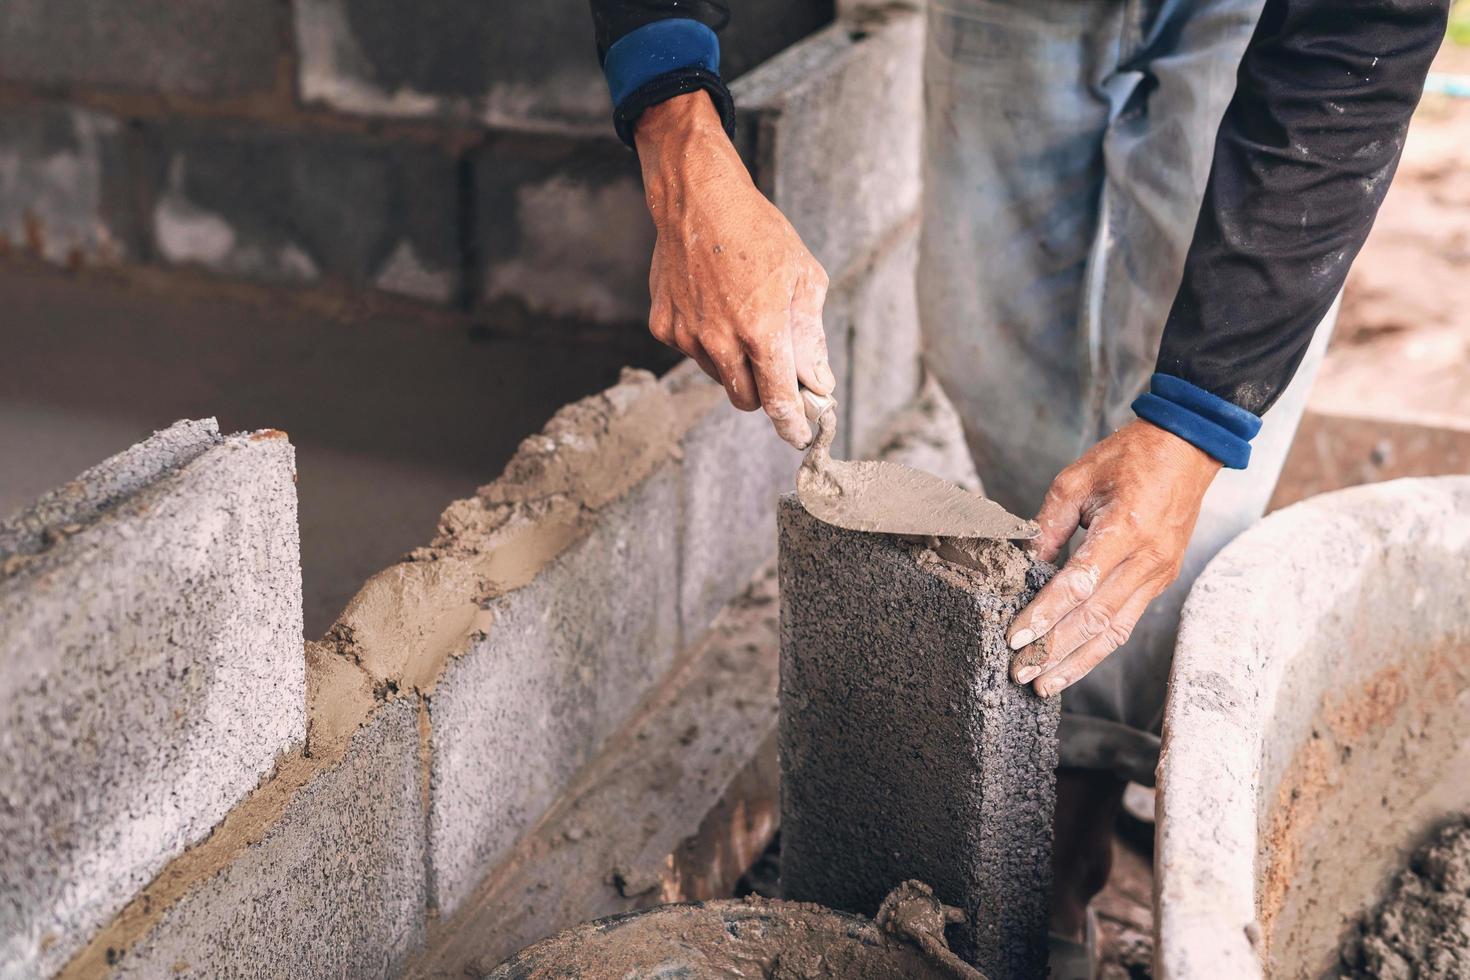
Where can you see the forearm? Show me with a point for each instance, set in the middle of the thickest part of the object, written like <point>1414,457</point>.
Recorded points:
<point>1304,156</point>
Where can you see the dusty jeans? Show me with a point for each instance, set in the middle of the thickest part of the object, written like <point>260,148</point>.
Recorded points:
<point>1067,144</point>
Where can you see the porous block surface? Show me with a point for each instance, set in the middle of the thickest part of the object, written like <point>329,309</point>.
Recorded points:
<point>735,467</point>
<point>561,666</point>
<point>834,132</point>
<point>334,888</point>
<point>906,750</point>
<point>152,652</point>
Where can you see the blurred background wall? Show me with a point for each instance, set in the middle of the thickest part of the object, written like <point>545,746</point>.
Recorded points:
<point>403,232</point>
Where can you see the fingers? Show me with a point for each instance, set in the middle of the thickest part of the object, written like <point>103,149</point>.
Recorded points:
<point>1060,515</point>
<point>1076,665</point>
<point>1105,548</point>
<point>772,356</point>
<point>732,369</point>
<point>808,340</point>
<point>1100,616</point>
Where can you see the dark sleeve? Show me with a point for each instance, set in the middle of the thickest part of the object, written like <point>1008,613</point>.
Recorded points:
<point>1303,158</point>
<point>653,50</point>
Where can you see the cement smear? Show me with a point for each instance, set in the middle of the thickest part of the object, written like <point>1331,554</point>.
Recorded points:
<point>891,498</point>
<point>1423,928</point>
<point>753,937</point>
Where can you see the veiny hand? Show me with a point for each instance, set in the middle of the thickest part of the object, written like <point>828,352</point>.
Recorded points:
<point>1138,493</point>
<point>733,286</point>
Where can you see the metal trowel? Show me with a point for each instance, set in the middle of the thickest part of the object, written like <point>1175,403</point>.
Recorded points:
<point>890,498</point>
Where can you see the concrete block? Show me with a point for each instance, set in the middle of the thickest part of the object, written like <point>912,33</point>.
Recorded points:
<point>286,207</point>
<point>153,661</point>
<point>735,467</point>
<point>906,750</point>
<point>835,133</point>
<point>334,888</point>
<point>560,668</point>
<point>204,48</point>
<point>875,308</point>
<point>66,184</point>
<point>83,499</point>
<point>563,228</point>
<point>674,810</point>
<point>472,60</point>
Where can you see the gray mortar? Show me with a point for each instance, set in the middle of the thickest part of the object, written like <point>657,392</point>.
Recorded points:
<point>81,500</point>
<point>1422,929</point>
<point>906,750</point>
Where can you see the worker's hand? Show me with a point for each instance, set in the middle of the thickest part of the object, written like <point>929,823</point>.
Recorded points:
<point>733,286</point>
<point>1138,493</point>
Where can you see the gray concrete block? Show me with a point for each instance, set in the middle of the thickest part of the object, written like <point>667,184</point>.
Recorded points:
<point>906,750</point>
<point>81,500</point>
<point>208,48</point>
<point>564,662</point>
<point>475,60</point>
<point>876,309</point>
<point>563,228</point>
<point>334,888</point>
<point>154,672</point>
<point>836,126</point>
<point>735,468</point>
<point>287,207</point>
<point>66,184</point>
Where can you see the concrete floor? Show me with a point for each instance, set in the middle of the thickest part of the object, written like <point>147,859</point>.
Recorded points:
<point>392,418</point>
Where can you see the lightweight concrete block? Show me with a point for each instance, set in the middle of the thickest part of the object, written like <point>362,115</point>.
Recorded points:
<point>834,132</point>
<point>292,208</point>
<point>83,499</point>
<point>906,750</point>
<point>152,652</point>
<point>473,60</point>
<point>876,310</point>
<point>563,663</point>
<point>66,184</point>
<point>334,888</point>
<point>204,48</point>
<point>735,468</point>
<point>562,228</point>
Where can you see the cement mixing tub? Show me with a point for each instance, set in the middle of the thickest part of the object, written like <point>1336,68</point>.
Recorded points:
<point>1317,729</point>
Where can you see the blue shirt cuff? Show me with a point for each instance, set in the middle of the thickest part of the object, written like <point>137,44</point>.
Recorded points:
<point>1209,422</point>
<point>655,49</point>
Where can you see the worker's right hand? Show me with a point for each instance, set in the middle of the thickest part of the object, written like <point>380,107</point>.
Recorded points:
<point>733,286</point>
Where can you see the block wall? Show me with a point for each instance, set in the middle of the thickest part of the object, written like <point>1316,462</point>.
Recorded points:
<point>387,777</point>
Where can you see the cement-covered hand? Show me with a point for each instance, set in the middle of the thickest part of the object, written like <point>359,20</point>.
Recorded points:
<point>1138,494</point>
<point>733,286</point>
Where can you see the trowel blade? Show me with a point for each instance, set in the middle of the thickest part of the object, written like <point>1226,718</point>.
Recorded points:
<point>890,498</point>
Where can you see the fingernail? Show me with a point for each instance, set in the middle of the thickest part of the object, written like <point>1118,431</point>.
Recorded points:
<point>1050,686</point>
<point>1027,674</point>
<point>799,435</point>
<point>1022,638</point>
<point>825,377</point>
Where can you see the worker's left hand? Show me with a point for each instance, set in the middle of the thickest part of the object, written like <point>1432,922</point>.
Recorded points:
<point>1138,493</point>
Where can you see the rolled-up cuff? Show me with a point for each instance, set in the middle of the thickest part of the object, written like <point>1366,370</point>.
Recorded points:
<point>1206,421</point>
<point>659,61</point>
<point>666,87</point>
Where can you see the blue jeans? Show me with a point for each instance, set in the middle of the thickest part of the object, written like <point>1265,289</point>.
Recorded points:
<point>1067,145</point>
